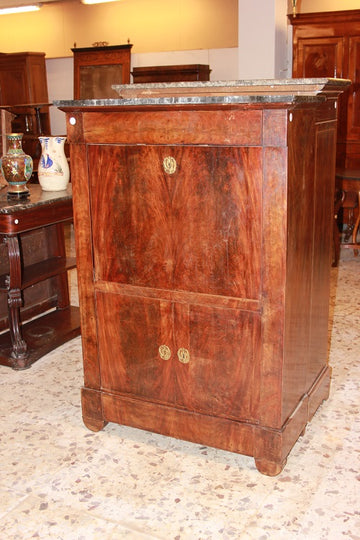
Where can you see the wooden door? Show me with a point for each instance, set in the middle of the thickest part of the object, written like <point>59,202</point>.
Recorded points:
<point>176,247</point>
<point>354,90</point>
<point>324,57</point>
<point>325,44</point>
<point>319,57</point>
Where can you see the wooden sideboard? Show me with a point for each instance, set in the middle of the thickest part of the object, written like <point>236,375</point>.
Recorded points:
<point>203,215</point>
<point>176,73</point>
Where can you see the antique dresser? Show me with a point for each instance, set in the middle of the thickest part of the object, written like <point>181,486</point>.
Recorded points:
<point>203,219</point>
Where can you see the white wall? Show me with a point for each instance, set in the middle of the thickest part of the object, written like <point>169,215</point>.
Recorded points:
<point>60,80</point>
<point>60,74</point>
<point>263,39</point>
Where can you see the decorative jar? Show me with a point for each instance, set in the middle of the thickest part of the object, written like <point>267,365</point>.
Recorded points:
<point>16,167</point>
<point>53,168</point>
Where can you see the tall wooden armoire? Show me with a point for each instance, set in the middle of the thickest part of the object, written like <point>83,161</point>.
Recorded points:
<point>24,92</point>
<point>327,44</point>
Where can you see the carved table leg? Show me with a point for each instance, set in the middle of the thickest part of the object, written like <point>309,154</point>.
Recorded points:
<point>19,346</point>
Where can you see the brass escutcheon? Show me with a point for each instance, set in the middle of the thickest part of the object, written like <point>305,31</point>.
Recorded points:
<point>183,355</point>
<point>169,164</point>
<point>164,352</point>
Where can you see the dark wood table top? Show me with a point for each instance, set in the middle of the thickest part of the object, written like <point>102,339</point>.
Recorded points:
<point>41,208</point>
<point>348,174</point>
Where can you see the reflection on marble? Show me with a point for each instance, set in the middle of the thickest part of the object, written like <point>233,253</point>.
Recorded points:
<point>61,481</point>
<point>216,92</point>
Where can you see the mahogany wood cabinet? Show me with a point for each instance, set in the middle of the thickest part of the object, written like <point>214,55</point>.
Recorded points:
<point>203,219</point>
<point>327,44</point>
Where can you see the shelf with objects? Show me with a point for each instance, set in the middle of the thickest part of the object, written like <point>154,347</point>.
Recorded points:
<point>35,311</point>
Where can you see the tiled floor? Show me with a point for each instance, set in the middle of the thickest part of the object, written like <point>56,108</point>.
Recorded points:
<point>61,481</point>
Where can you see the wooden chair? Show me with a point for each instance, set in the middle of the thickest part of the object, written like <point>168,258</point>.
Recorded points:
<point>349,201</point>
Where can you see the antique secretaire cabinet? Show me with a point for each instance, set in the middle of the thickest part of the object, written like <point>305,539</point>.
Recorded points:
<point>203,218</point>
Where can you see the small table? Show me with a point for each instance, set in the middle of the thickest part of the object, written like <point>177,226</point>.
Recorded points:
<point>348,181</point>
<point>42,214</point>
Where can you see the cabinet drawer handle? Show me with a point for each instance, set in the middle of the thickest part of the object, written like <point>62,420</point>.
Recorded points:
<point>164,352</point>
<point>183,355</point>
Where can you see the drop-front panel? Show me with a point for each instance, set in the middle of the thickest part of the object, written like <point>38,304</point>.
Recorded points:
<point>203,230</point>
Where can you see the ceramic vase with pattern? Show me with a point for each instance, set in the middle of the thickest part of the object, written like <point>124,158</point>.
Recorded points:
<point>16,167</point>
<point>53,169</point>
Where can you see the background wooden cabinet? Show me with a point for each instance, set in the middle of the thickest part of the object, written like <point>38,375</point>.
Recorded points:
<point>327,44</point>
<point>24,92</point>
<point>97,68</point>
<point>176,73</point>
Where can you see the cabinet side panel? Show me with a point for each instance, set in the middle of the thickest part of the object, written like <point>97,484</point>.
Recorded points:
<point>82,225</point>
<point>300,247</point>
<point>273,283</point>
<point>14,87</point>
<point>324,180</point>
<point>310,220</point>
<point>39,90</point>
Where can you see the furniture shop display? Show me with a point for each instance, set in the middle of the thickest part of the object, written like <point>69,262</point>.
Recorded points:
<point>35,311</point>
<point>96,69</point>
<point>203,218</point>
<point>175,73</point>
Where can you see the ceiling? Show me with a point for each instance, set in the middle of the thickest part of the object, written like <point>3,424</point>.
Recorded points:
<point>15,3</point>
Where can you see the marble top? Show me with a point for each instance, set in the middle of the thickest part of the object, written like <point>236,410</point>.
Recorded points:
<point>37,198</point>
<point>222,92</point>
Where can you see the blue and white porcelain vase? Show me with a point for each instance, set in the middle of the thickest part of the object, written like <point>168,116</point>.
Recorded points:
<point>53,168</point>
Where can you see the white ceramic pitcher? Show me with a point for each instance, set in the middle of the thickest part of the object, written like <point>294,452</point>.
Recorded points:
<point>53,168</point>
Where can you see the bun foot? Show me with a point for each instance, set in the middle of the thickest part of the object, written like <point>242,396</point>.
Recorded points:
<point>270,468</point>
<point>94,424</point>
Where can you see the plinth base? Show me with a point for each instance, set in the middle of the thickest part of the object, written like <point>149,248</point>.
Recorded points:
<point>42,335</point>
